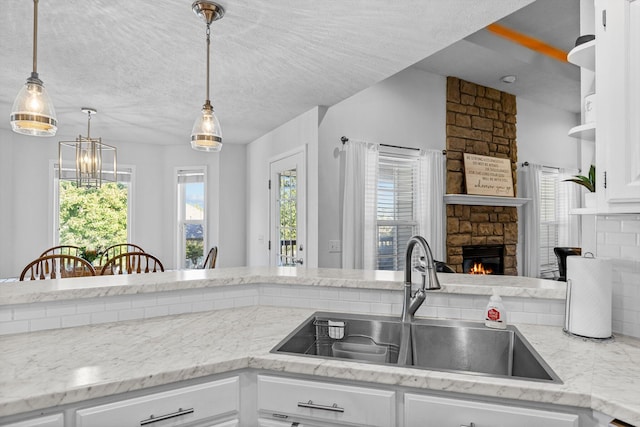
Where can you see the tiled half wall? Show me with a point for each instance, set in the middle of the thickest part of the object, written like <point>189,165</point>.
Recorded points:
<point>32,317</point>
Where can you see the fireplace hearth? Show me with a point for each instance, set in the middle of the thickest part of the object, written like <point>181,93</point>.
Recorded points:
<point>483,259</point>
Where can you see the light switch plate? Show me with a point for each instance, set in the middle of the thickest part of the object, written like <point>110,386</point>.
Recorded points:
<point>335,246</point>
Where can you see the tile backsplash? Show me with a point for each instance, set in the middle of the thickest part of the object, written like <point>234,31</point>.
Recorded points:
<point>618,238</point>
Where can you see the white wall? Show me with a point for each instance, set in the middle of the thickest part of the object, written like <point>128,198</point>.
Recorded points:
<point>542,135</point>
<point>232,211</point>
<point>26,198</point>
<point>295,134</point>
<point>407,109</point>
<point>7,177</point>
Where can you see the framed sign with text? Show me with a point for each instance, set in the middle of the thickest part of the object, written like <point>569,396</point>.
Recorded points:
<point>488,176</point>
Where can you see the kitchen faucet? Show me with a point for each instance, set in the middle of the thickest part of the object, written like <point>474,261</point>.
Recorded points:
<point>412,303</point>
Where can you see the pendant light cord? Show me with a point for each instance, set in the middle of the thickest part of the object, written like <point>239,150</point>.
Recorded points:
<point>89,125</point>
<point>35,37</point>
<point>208,49</point>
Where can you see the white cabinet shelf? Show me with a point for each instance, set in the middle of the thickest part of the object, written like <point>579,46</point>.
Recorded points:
<point>584,55</point>
<point>586,131</point>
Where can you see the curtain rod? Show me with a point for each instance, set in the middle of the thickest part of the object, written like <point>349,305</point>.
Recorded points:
<point>344,139</point>
<point>544,166</point>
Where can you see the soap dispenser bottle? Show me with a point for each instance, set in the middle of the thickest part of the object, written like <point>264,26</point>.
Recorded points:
<point>495,315</point>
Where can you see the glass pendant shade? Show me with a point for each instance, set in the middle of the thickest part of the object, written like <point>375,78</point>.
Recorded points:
<point>33,112</point>
<point>206,134</point>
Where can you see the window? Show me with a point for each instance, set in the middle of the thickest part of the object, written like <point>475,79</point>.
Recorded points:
<point>554,217</point>
<point>396,208</point>
<point>92,218</point>
<point>191,217</point>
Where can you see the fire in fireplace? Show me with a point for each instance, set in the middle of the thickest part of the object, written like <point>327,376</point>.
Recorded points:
<point>483,259</point>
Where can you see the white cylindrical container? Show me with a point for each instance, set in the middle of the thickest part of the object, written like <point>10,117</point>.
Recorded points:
<point>590,108</point>
<point>589,297</point>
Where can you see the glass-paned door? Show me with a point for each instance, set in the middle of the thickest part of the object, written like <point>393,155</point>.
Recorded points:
<point>191,218</point>
<point>288,203</point>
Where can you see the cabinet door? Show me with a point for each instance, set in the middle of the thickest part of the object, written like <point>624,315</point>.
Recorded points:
<point>185,405</point>
<point>56,420</point>
<point>431,411</point>
<point>326,402</point>
<point>618,87</point>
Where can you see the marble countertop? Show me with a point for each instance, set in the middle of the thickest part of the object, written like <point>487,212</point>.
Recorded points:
<point>36,370</point>
<point>99,286</point>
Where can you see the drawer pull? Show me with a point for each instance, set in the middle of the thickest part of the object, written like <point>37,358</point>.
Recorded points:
<point>178,413</point>
<point>470,425</point>
<point>311,405</point>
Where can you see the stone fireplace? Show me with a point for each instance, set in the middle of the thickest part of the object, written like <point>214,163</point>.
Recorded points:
<point>480,120</point>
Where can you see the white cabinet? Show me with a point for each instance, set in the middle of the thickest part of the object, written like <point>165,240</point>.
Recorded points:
<point>200,404</point>
<point>55,420</point>
<point>618,82</point>
<point>291,400</point>
<point>615,57</point>
<point>432,411</point>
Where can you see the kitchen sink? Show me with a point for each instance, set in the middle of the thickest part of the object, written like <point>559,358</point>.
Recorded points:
<point>434,344</point>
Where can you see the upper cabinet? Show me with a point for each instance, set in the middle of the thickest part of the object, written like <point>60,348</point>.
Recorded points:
<point>617,135</point>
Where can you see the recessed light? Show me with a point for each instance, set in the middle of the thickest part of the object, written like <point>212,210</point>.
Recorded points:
<point>508,79</point>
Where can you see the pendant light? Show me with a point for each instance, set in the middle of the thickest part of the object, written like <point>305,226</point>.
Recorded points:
<point>33,112</point>
<point>206,134</point>
<point>87,161</point>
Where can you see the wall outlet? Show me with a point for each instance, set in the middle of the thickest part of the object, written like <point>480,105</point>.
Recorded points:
<point>335,246</point>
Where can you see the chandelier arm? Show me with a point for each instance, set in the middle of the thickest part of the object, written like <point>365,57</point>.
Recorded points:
<point>35,37</point>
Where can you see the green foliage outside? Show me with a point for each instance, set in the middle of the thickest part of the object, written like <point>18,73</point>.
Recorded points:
<point>194,250</point>
<point>288,207</point>
<point>93,218</point>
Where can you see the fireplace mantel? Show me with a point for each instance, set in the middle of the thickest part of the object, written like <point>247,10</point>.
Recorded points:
<point>468,199</point>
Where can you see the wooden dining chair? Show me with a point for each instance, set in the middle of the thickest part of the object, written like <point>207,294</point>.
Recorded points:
<point>63,250</point>
<point>57,266</point>
<point>212,256</point>
<point>132,263</point>
<point>117,249</point>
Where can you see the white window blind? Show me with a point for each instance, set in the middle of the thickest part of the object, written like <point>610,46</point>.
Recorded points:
<point>396,219</point>
<point>554,219</point>
<point>548,221</point>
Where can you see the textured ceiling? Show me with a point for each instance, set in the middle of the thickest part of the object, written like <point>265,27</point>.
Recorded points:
<point>484,58</point>
<point>141,64</point>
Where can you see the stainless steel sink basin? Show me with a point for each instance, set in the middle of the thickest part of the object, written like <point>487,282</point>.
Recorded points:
<point>445,345</point>
<point>363,338</point>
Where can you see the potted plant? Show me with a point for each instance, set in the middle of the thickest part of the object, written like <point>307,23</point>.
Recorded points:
<point>589,182</point>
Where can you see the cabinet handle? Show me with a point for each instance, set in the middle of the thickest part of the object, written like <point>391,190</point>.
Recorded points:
<point>470,425</point>
<point>178,413</point>
<point>311,405</point>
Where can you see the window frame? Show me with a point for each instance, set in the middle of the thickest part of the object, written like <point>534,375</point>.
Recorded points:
<point>179,223</point>
<point>54,201</point>
<point>411,157</point>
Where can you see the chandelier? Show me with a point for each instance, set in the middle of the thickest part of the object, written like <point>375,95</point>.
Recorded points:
<point>87,161</point>
<point>206,134</point>
<point>33,113</point>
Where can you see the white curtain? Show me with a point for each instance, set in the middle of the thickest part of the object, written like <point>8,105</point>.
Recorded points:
<point>530,188</point>
<point>359,205</point>
<point>571,193</point>
<point>431,209</point>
